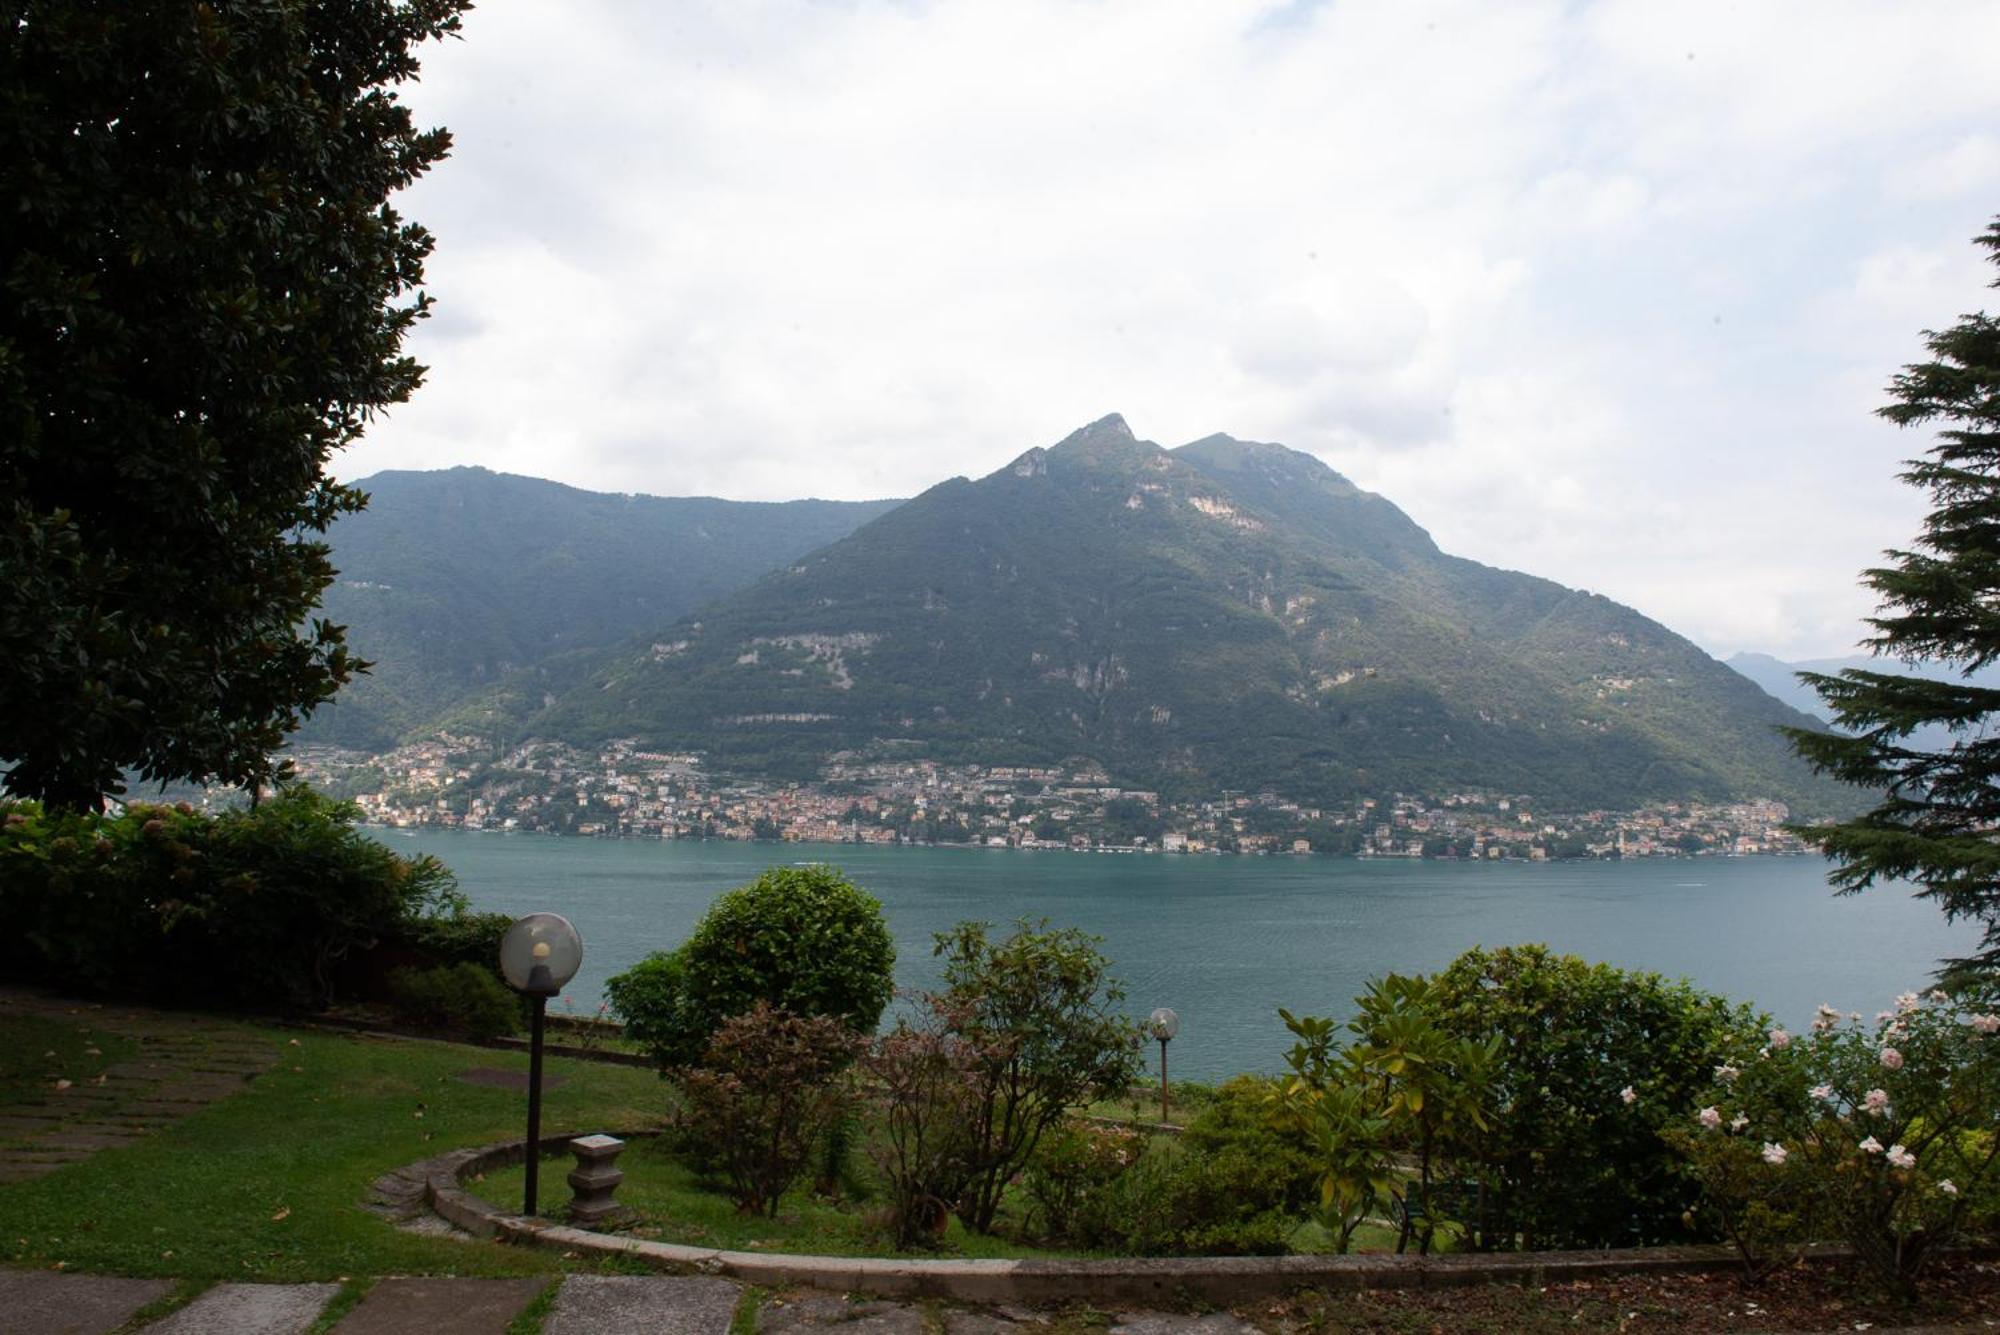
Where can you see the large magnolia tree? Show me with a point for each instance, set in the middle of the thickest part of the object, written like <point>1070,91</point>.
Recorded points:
<point>203,294</point>
<point>1938,819</point>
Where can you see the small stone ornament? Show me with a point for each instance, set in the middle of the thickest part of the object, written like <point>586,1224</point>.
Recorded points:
<point>594,1178</point>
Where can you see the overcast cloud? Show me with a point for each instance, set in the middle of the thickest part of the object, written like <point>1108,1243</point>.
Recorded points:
<point>1605,292</point>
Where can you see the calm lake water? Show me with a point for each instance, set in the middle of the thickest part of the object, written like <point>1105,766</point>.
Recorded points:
<point>1225,941</point>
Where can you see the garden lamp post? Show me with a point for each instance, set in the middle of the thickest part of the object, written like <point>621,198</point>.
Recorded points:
<point>1163,1024</point>
<point>537,956</point>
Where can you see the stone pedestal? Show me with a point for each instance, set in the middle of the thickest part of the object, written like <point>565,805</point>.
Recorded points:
<point>594,1178</point>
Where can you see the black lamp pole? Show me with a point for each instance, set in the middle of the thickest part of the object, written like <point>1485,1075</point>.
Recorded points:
<point>540,988</point>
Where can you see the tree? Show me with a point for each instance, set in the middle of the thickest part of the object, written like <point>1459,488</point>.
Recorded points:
<point>1938,819</point>
<point>203,294</point>
<point>1040,1006</point>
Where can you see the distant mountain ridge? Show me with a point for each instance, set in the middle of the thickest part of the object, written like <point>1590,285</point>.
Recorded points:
<point>1780,679</point>
<point>1229,614</point>
<point>450,580</point>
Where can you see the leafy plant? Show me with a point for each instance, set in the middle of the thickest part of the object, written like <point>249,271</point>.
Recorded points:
<point>803,939</point>
<point>1404,1081</point>
<point>1341,1121</point>
<point>1243,1115</point>
<point>1040,1008</point>
<point>769,1088</point>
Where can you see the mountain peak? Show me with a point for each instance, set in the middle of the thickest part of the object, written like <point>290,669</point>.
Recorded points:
<point>1225,454</point>
<point>1111,424</point>
<point>1106,443</point>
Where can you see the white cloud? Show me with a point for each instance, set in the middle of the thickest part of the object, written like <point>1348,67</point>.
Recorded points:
<point>1600,292</point>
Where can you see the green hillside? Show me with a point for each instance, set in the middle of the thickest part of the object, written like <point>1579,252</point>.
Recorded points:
<point>450,580</point>
<point>1225,615</point>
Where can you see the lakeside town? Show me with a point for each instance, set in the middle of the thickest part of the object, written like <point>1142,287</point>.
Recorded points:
<point>623,791</point>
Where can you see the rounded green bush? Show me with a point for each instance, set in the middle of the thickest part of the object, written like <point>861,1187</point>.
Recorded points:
<point>460,998</point>
<point>805,939</point>
<point>1571,1159</point>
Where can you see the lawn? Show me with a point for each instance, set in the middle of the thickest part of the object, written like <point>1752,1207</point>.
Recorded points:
<point>267,1184</point>
<point>34,1053</point>
<point>675,1206</point>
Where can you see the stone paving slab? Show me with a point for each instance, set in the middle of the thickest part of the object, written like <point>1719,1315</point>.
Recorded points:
<point>980,1323</point>
<point>685,1305</point>
<point>440,1307</point>
<point>1163,1323</point>
<point>183,1064</point>
<point>88,1140</point>
<point>830,1311</point>
<point>47,1302</point>
<point>250,1309</point>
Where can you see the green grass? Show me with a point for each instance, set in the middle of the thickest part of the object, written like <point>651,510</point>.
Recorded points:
<point>266,1185</point>
<point>675,1206</point>
<point>36,1052</point>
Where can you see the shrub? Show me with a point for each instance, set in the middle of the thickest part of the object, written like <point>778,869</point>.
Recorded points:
<point>650,999</point>
<point>1882,1135</point>
<point>1178,1201</point>
<point>1569,1162</point>
<point>461,998</point>
<point>462,938</point>
<point>1074,1163</point>
<point>925,1074</point>
<point>802,939</point>
<point>1243,1116</point>
<point>1040,1008</point>
<point>247,908</point>
<point>769,1089</point>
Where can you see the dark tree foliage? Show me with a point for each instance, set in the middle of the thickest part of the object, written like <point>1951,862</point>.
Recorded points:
<point>1939,813</point>
<point>203,294</point>
<point>806,940</point>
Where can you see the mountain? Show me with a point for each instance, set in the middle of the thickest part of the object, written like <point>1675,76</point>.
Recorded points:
<point>449,580</point>
<point>1226,615</point>
<point>1780,679</point>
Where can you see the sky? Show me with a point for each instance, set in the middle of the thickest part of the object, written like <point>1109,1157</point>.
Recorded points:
<point>1606,292</point>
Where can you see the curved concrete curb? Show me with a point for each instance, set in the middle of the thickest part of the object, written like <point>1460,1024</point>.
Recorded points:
<point>1212,1279</point>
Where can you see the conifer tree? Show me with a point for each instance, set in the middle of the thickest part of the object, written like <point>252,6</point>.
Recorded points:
<point>1937,821</point>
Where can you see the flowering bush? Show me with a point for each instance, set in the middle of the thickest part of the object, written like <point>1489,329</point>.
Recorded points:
<point>1877,1133</point>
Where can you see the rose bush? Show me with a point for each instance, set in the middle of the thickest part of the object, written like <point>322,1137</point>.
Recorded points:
<point>1878,1133</point>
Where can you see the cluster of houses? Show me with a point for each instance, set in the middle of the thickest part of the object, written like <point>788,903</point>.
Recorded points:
<point>624,790</point>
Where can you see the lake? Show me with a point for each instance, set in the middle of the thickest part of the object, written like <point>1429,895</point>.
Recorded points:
<point>1225,941</point>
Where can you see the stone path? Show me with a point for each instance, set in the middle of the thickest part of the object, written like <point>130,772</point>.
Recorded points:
<point>42,1302</point>
<point>182,1064</point>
